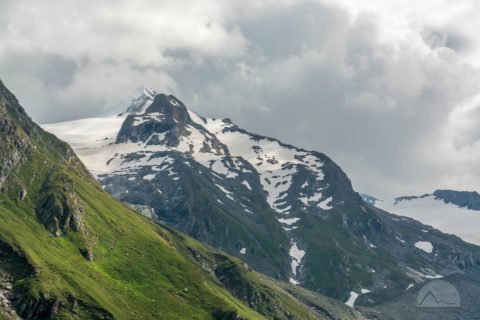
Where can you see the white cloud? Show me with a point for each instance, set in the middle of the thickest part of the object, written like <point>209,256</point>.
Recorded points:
<point>455,21</point>
<point>110,46</point>
<point>138,31</point>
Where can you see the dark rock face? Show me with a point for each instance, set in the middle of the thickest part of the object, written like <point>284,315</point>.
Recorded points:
<point>219,314</point>
<point>47,307</point>
<point>463,199</point>
<point>164,122</point>
<point>59,209</point>
<point>13,267</point>
<point>165,115</point>
<point>41,308</point>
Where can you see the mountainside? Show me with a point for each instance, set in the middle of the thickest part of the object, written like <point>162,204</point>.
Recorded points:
<point>68,250</point>
<point>287,212</point>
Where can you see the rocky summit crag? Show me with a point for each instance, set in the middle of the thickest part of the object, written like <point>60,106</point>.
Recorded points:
<point>288,212</point>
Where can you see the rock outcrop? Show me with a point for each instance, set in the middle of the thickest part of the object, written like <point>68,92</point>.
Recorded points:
<point>59,209</point>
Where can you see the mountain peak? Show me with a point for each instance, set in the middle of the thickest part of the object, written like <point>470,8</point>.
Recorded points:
<point>165,115</point>
<point>146,96</point>
<point>163,103</point>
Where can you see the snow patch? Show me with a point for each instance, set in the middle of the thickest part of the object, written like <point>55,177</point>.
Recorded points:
<point>289,221</point>
<point>315,198</point>
<point>424,274</point>
<point>174,103</point>
<point>351,300</point>
<point>325,204</point>
<point>297,256</point>
<point>227,193</point>
<point>246,184</point>
<point>149,177</point>
<point>425,246</point>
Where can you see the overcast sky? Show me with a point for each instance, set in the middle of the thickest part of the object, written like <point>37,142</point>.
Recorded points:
<point>389,89</point>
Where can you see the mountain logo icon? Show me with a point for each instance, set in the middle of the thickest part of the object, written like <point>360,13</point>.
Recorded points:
<point>438,294</point>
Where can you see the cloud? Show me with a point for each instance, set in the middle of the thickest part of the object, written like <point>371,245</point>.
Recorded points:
<point>378,100</point>
<point>85,53</point>
<point>388,89</point>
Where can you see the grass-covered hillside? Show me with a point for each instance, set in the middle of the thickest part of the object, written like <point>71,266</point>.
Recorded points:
<point>68,250</point>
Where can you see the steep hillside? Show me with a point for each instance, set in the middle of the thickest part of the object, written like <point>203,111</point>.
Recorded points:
<point>68,250</point>
<point>286,211</point>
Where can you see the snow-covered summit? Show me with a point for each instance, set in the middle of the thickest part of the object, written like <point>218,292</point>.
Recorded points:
<point>165,115</point>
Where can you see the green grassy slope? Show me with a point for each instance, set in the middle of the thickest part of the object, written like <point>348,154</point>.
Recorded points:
<point>74,252</point>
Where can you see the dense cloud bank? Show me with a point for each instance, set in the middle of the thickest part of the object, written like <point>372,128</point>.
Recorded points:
<point>390,91</point>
